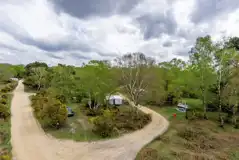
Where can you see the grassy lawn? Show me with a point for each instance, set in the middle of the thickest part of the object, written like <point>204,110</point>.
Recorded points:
<point>77,128</point>
<point>192,140</point>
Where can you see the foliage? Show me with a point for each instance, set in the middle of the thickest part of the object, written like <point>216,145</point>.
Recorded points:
<point>48,110</point>
<point>115,123</point>
<point>135,74</point>
<point>4,111</point>
<point>6,72</point>
<point>201,59</point>
<point>97,81</point>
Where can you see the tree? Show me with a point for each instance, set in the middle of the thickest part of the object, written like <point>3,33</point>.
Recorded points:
<point>61,79</point>
<point>233,42</point>
<point>28,67</point>
<point>224,58</point>
<point>201,59</point>
<point>97,81</point>
<point>231,93</point>
<point>19,71</point>
<point>135,74</point>
<point>6,72</point>
<point>39,76</point>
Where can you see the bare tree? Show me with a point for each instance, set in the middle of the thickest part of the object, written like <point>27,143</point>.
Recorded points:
<point>135,74</point>
<point>39,76</point>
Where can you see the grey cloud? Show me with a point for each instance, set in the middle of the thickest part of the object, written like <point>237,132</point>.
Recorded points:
<point>167,44</point>
<point>206,10</point>
<point>154,25</point>
<point>10,47</point>
<point>79,56</point>
<point>86,8</point>
<point>54,55</point>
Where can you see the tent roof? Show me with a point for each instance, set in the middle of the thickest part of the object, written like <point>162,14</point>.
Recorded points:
<point>114,97</point>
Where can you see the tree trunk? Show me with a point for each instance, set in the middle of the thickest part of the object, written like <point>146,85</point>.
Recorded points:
<point>204,106</point>
<point>234,118</point>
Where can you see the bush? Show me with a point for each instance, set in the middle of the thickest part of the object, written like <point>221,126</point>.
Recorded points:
<point>5,89</point>
<point>104,125</point>
<point>4,96</point>
<point>112,123</point>
<point>189,133</point>
<point>9,87</point>
<point>4,111</point>
<point>3,101</point>
<point>5,156</point>
<point>49,111</point>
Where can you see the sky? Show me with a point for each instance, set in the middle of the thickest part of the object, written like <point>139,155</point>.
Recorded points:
<point>76,31</point>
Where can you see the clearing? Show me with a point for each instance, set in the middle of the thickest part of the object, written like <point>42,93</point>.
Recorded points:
<point>192,140</point>
<point>29,141</point>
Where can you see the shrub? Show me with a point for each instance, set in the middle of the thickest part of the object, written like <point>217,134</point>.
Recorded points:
<point>104,127</point>
<point>149,154</point>
<point>132,120</point>
<point>114,123</point>
<point>4,111</point>
<point>49,111</point>
<point>4,96</point>
<point>5,156</point>
<point>5,89</point>
<point>189,133</point>
<point>3,101</point>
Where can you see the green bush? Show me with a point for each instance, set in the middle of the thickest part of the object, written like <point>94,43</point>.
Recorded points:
<point>104,127</point>
<point>4,96</point>
<point>112,123</point>
<point>5,89</point>
<point>3,101</point>
<point>4,111</point>
<point>9,87</point>
<point>49,111</point>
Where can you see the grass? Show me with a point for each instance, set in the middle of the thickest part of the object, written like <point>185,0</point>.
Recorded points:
<point>192,140</point>
<point>79,123</point>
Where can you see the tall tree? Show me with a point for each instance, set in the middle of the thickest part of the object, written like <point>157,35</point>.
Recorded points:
<point>223,58</point>
<point>97,81</point>
<point>135,74</point>
<point>231,94</point>
<point>201,59</point>
<point>39,76</point>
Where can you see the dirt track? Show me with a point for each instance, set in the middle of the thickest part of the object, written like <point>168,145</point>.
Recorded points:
<point>31,143</point>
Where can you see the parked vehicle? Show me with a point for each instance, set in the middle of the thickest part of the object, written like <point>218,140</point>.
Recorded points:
<point>70,112</point>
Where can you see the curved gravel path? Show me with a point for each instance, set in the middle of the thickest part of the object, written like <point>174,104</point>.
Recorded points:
<point>31,143</point>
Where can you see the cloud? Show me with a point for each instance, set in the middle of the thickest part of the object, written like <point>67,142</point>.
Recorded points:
<point>88,8</point>
<point>209,10</point>
<point>73,32</point>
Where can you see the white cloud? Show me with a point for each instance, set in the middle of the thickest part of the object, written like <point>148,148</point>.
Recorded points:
<point>33,31</point>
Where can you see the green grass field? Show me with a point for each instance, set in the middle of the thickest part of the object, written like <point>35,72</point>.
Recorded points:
<point>208,140</point>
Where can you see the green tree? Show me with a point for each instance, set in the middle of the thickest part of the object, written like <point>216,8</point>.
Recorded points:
<point>201,59</point>
<point>6,72</point>
<point>19,70</point>
<point>97,81</point>
<point>28,67</point>
<point>224,58</point>
<point>62,79</point>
